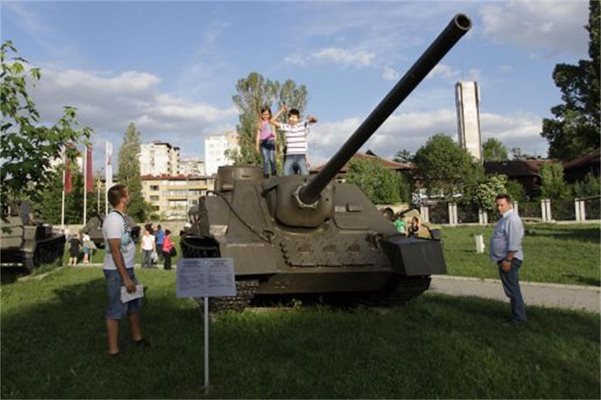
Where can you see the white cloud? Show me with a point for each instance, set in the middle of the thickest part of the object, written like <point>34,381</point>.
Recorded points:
<point>335,55</point>
<point>452,74</point>
<point>554,25</point>
<point>345,57</point>
<point>411,131</point>
<point>29,21</point>
<point>109,103</point>
<point>390,74</point>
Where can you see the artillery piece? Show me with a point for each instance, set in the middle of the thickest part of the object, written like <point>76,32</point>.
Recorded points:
<point>27,242</point>
<point>297,235</point>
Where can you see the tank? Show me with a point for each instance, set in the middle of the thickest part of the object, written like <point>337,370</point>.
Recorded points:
<point>94,229</point>
<point>28,242</point>
<point>308,235</point>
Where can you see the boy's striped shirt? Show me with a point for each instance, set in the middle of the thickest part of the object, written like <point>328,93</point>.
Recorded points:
<point>296,137</point>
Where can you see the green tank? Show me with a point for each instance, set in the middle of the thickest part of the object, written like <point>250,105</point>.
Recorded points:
<point>308,235</point>
<point>94,229</point>
<point>24,241</point>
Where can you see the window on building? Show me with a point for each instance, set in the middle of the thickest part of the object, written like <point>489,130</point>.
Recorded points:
<point>154,187</point>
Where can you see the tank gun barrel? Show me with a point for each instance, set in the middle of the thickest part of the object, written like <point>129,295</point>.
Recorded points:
<point>456,28</point>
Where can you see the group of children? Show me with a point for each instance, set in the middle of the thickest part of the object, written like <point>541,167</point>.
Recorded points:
<point>295,133</point>
<point>412,230</point>
<point>77,244</point>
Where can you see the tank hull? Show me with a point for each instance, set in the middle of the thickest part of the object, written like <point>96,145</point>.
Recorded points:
<point>345,254</point>
<point>30,245</point>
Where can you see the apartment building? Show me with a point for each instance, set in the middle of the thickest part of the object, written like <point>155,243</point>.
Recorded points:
<point>159,158</point>
<point>191,166</point>
<point>172,196</point>
<point>215,148</point>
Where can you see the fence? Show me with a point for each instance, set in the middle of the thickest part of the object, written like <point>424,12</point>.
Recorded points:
<point>545,210</point>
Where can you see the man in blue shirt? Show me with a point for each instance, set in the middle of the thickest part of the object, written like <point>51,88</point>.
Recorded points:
<point>159,236</point>
<point>506,251</point>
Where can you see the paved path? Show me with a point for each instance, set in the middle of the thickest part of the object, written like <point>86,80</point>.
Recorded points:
<point>537,294</point>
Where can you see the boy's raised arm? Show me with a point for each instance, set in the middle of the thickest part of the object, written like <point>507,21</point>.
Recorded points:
<point>274,119</point>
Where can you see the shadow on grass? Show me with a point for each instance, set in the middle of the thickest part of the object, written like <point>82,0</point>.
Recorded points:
<point>438,346</point>
<point>12,274</point>
<point>591,235</point>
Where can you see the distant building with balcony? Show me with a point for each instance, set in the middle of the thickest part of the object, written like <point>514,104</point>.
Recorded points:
<point>215,148</point>
<point>191,166</point>
<point>172,196</point>
<point>159,158</point>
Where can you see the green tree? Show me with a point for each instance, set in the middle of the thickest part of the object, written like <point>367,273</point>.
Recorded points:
<point>253,93</point>
<point>49,205</point>
<point>380,184</point>
<point>129,173</point>
<point>444,166</point>
<point>403,156</point>
<point>553,185</point>
<point>486,191</point>
<point>590,186</point>
<point>494,150</point>
<point>516,191</point>
<point>574,130</point>
<point>27,147</point>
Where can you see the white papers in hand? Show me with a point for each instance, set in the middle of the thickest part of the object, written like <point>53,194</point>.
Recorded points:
<point>126,296</point>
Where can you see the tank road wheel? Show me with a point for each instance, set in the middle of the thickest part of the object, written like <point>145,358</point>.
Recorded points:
<point>245,292</point>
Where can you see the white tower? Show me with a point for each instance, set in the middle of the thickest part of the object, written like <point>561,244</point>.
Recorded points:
<point>467,98</point>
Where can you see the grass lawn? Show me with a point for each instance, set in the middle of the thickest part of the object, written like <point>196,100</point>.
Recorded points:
<point>552,253</point>
<point>53,346</point>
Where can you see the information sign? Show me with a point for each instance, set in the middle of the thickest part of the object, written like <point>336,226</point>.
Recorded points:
<point>205,277</point>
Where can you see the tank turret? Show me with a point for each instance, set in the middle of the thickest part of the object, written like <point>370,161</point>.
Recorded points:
<point>300,234</point>
<point>94,229</point>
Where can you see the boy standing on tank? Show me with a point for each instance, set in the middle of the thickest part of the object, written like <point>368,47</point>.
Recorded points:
<point>295,133</point>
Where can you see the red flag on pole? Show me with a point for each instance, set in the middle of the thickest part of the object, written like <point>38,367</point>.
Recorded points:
<point>68,182</point>
<point>88,172</point>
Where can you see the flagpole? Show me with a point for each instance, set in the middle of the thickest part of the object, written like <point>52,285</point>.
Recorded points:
<point>85,184</point>
<point>63,194</point>
<point>108,174</point>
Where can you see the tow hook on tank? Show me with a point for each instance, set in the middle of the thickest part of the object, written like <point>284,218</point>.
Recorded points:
<point>300,203</point>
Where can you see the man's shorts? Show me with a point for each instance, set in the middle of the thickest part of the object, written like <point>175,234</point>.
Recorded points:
<point>115,308</point>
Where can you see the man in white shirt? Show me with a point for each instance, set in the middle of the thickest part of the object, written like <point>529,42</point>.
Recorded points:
<point>118,270</point>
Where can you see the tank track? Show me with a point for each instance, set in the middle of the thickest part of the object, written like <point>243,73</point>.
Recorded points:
<point>398,293</point>
<point>245,290</point>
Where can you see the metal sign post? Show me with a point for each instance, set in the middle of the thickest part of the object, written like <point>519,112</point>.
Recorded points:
<point>206,306</point>
<point>205,277</point>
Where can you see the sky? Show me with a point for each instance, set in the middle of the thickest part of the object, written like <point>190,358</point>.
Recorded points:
<point>171,67</point>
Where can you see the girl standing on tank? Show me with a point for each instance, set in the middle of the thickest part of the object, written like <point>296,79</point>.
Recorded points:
<point>265,142</point>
